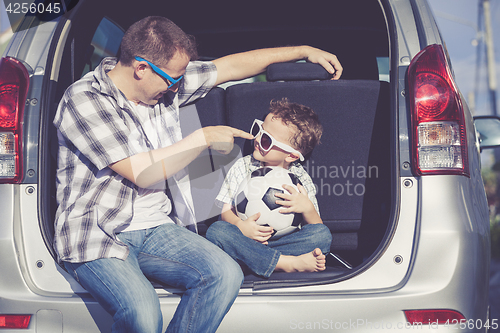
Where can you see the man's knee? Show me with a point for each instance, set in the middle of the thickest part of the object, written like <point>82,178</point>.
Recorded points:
<point>232,281</point>
<point>223,274</point>
<point>228,272</point>
<point>235,273</point>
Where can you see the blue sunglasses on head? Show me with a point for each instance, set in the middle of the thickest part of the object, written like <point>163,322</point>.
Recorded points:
<point>161,73</point>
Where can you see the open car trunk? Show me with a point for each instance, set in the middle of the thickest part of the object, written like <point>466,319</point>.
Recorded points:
<point>353,166</point>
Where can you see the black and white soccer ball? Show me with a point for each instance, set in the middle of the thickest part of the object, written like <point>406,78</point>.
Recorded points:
<point>256,193</point>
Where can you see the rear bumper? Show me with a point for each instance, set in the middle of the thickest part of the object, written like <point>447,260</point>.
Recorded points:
<point>446,268</point>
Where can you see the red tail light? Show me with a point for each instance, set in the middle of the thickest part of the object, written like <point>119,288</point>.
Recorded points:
<point>437,316</point>
<point>14,321</point>
<point>439,136</point>
<point>14,82</point>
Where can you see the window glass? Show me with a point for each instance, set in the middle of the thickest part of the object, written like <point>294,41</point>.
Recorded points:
<point>383,68</point>
<point>105,43</point>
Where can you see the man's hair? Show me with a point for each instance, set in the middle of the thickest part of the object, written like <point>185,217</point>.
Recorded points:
<point>308,129</point>
<point>155,39</point>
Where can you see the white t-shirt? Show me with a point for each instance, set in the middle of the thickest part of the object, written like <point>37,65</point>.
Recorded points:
<point>152,206</point>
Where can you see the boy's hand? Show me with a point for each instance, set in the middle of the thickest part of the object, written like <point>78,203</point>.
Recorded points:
<point>252,230</point>
<point>296,201</point>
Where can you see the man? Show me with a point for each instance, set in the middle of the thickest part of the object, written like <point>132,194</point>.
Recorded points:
<point>119,140</point>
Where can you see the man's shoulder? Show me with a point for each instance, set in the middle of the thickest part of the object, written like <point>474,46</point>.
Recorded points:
<point>83,86</point>
<point>83,98</point>
<point>93,81</point>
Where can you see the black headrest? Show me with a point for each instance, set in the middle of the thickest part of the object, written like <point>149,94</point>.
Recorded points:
<point>296,71</point>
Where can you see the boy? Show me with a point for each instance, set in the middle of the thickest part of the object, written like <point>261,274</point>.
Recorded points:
<point>288,132</point>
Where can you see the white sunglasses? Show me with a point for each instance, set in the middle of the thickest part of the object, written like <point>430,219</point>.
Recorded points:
<point>266,140</point>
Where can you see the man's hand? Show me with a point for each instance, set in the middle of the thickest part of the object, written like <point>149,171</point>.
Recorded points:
<point>252,230</point>
<point>326,59</point>
<point>221,138</point>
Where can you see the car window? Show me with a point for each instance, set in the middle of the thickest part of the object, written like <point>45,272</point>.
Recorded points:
<point>383,68</point>
<point>105,43</point>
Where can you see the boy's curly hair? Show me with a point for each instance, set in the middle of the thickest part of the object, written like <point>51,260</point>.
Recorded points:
<point>308,128</point>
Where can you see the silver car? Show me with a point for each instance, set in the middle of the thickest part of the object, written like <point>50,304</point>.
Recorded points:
<point>397,174</point>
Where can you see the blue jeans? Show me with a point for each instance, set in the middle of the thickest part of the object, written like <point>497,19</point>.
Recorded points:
<point>260,258</point>
<point>172,255</point>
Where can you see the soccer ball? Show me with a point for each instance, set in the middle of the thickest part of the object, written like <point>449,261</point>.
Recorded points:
<point>256,193</point>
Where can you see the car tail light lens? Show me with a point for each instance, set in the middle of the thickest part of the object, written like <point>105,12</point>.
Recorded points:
<point>14,321</point>
<point>439,136</point>
<point>436,316</point>
<point>14,82</point>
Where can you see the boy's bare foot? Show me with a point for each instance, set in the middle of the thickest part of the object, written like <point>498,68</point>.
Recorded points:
<point>313,261</point>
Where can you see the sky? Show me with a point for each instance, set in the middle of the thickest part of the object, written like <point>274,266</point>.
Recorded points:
<point>458,23</point>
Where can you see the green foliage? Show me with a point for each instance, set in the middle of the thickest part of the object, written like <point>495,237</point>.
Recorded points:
<point>490,180</point>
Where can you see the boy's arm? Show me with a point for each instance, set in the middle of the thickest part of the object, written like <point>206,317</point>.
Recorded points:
<point>298,202</point>
<point>228,214</point>
<point>312,217</point>
<point>248,227</point>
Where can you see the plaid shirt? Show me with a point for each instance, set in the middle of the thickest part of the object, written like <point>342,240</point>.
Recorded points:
<point>248,164</point>
<point>97,127</point>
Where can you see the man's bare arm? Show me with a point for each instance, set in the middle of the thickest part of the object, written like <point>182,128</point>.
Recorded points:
<point>146,169</point>
<point>240,66</point>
